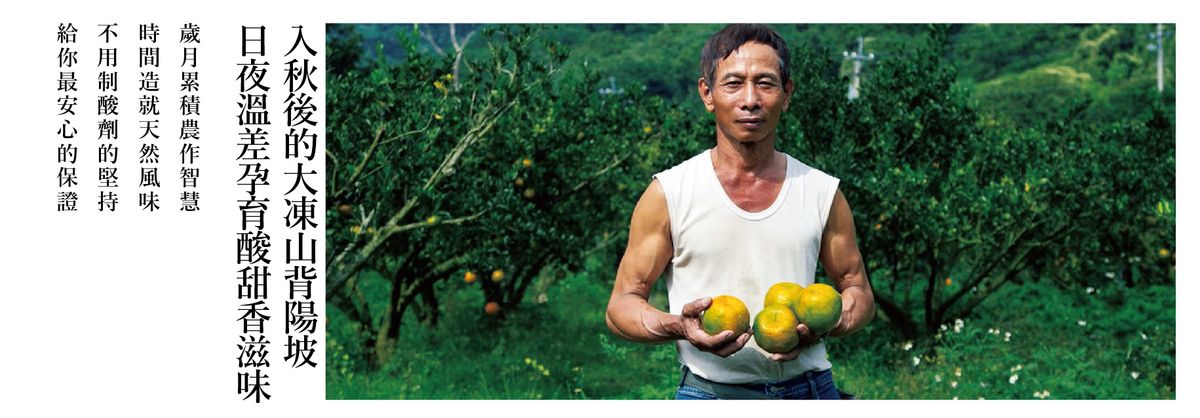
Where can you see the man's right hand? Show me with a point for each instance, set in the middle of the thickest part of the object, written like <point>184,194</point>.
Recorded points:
<point>723,344</point>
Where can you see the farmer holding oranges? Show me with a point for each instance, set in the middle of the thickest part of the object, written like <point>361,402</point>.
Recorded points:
<point>734,220</point>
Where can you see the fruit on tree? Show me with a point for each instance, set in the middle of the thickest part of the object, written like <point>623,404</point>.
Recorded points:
<point>491,308</point>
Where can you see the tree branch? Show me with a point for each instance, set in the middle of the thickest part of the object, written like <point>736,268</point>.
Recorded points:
<point>432,43</point>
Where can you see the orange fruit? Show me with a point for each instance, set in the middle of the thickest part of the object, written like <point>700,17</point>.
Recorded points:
<point>527,162</point>
<point>726,313</point>
<point>519,181</point>
<point>775,329</point>
<point>497,275</point>
<point>469,277</point>
<point>820,307</point>
<point>783,293</point>
<point>491,308</point>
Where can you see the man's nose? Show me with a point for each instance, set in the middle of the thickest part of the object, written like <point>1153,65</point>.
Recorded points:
<point>750,97</point>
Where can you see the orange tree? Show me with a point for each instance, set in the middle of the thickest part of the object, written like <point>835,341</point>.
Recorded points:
<point>517,166</point>
<point>949,209</point>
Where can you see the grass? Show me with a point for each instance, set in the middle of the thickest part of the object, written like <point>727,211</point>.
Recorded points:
<point>1030,341</point>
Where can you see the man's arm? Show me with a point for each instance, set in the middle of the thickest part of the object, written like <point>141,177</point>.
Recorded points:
<point>844,265</point>
<point>629,314</point>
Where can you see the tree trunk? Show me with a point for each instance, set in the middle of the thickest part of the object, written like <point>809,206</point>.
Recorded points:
<point>901,321</point>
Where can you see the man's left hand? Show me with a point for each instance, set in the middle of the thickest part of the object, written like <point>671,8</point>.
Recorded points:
<point>807,339</point>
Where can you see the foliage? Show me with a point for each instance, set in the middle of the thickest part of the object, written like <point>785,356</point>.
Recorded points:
<point>433,176</point>
<point>971,201</point>
<point>1033,325</point>
<point>948,210</point>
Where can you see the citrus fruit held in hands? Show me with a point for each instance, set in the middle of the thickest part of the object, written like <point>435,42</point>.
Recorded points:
<point>469,277</point>
<point>497,275</point>
<point>783,293</point>
<point>820,307</point>
<point>491,308</point>
<point>726,313</point>
<point>775,329</point>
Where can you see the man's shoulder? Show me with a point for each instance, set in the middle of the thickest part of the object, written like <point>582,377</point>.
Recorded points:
<point>684,166</point>
<point>807,171</point>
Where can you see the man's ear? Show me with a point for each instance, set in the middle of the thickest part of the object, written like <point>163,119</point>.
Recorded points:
<point>705,94</point>
<point>787,97</point>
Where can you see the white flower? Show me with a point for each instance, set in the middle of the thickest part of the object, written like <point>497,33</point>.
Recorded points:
<point>1134,375</point>
<point>1082,323</point>
<point>958,371</point>
<point>916,361</point>
<point>1015,369</point>
<point>958,322</point>
<point>983,384</point>
<point>1143,335</point>
<point>943,327</point>
<point>1090,290</point>
<point>1007,336</point>
<point>908,345</point>
<point>953,383</point>
<point>1110,275</point>
<point>937,378</point>
<point>1012,379</point>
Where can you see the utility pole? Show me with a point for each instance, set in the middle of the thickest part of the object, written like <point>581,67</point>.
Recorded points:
<point>858,57</point>
<point>1157,46</point>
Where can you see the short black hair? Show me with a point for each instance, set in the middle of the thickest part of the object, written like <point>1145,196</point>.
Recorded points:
<point>729,39</point>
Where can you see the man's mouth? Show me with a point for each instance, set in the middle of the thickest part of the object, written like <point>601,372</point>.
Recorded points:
<point>750,122</point>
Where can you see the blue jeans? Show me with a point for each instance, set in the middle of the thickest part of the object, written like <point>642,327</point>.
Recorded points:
<point>816,384</point>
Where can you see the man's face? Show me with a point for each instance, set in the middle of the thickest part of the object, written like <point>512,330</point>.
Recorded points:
<point>748,94</point>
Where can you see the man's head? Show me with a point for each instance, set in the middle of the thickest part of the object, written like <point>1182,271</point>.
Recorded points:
<point>732,37</point>
<point>746,82</point>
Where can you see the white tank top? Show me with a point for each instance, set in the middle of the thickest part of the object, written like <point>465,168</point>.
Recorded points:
<point>720,249</point>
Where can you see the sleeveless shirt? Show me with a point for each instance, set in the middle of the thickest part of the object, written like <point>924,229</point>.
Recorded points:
<point>720,249</point>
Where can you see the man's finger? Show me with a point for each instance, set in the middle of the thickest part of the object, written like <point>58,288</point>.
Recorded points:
<point>704,341</point>
<point>695,307</point>
<point>733,346</point>
<point>790,355</point>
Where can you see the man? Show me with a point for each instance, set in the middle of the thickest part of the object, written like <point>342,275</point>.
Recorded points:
<point>734,220</point>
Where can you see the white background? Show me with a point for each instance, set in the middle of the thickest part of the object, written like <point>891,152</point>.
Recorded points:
<point>132,313</point>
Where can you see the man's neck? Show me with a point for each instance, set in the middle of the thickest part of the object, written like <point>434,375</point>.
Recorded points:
<point>756,158</point>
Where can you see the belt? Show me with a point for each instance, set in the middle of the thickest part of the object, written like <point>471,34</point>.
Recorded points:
<point>745,390</point>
